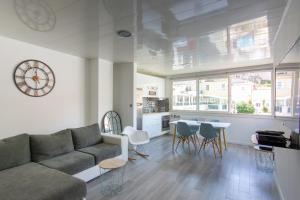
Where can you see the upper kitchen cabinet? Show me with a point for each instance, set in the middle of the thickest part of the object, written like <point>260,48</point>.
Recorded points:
<point>150,86</point>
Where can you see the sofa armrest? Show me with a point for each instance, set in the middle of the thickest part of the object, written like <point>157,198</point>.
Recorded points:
<point>117,139</point>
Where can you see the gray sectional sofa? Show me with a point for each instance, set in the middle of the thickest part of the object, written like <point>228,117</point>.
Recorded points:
<point>52,167</point>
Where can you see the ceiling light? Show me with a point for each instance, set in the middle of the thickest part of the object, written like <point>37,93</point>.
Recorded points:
<point>124,33</point>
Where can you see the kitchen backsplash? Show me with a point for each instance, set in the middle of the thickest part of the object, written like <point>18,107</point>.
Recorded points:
<point>153,105</point>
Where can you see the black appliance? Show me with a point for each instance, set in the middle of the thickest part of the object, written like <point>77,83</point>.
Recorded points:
<point>165,123</point>
<point>271,138</point>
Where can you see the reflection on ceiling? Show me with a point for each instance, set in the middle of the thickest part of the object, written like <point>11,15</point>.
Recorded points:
<point>293,56</point>
<point>36,14</point>
<point>168,36</point>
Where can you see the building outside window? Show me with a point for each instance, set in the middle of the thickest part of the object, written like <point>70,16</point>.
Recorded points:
<point>251,93</point>
<point>284,90</point>
<point>247,93</point>
<point>184,95</point>
<point>213,94</point>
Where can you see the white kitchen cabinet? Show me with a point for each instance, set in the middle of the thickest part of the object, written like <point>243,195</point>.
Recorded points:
<point>152,123</point>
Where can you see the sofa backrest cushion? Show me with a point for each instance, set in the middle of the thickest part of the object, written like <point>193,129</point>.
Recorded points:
<point>44,147</point>
<point>14,151</point>
<point>86,136</point>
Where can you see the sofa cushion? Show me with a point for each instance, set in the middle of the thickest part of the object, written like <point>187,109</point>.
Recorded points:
<point>47,146</point>
<point>14,151</point>
<point>86,136</point>
<point>70,163</point>
<point>103,151</point>
<point>36,182</point>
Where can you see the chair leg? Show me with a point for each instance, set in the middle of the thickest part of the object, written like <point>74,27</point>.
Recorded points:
<point>198,139</point>
<point>216,143</point>
<point>203,141</point>
<point>179,140</point>
<point>213,145</point>
<point>188,141</point>
<point>194,142</point>
<point>183,141</point>
<point>139,153</point>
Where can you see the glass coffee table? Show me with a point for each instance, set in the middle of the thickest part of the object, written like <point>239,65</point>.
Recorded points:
<point>113,181</point>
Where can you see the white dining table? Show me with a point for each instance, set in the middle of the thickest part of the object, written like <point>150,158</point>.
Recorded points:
<point>221,126</point>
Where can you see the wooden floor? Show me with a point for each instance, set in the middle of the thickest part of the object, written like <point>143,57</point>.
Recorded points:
<point>183,176</point>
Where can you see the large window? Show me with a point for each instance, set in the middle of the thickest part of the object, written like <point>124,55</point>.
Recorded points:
<point>213,94</point>
<point>251,93</point>
<point>287,92</point>
<point>241,93</point>
<point>184,95</point>
<point>284,89</point>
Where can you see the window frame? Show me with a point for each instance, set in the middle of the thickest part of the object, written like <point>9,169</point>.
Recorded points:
<point>294,90</point>
<point>197,94</point>
<point>272,88</point>
<point>199,77</point>
<point>209,78</point>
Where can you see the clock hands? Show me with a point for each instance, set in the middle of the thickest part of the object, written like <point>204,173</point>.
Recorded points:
<point>43,79</point>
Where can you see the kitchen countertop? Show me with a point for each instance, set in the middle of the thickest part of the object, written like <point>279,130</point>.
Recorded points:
<point>157,113</point>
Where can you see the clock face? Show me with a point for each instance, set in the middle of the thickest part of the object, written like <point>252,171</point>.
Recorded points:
<point>34,78</point>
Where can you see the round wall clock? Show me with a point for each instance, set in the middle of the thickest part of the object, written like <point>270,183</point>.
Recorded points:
<point>34,78</point>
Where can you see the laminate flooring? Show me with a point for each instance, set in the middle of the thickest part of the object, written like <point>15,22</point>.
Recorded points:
<point>183,176</point>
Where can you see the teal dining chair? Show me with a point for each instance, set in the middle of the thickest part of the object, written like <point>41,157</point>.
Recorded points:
<point>186,135</point>
<point>209,133</point>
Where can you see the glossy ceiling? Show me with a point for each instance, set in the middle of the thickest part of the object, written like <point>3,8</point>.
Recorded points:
<point>169,36</point>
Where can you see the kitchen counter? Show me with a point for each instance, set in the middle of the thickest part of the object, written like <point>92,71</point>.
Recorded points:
<point>157,113</point>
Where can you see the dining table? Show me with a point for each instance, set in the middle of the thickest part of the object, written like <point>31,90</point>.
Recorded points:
<point>220,126</point>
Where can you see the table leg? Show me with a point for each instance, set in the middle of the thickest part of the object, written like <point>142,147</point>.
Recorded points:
<point>174,137</point>
<point>224,138</point>
<point>220,142</point>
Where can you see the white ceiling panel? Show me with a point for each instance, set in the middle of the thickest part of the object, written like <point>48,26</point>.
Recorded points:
<point>168,36</point>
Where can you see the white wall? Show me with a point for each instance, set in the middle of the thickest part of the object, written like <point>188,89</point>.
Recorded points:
<point>64,107</point>
<point>124,92</point>
<point>144,81</point>
<point>93,90</point>
<point>105,89</point>
<point>100,82</point>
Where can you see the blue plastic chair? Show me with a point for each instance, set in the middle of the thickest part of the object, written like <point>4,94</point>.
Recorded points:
<point>185,135</point>
<point>210,134</point>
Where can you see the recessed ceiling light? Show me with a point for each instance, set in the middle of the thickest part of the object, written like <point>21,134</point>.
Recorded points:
<point>124,33</point>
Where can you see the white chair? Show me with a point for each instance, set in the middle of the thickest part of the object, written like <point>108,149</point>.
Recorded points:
<point>136,138</point>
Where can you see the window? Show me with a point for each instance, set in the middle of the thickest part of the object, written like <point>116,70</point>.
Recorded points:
<point>251,93</point>
<point>184,95</point>
<point>287,92</point>
<point>213,94</point>
<point>283,103</point>
<point>244,92</point>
